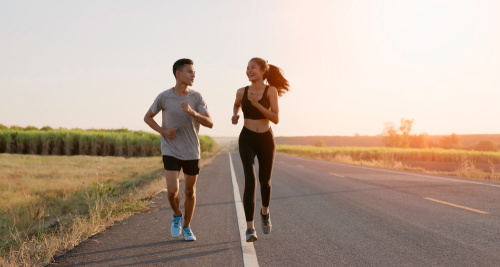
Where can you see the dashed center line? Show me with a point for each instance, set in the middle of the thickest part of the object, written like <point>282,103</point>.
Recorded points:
<point>338,175</point>
<point>455,205</point>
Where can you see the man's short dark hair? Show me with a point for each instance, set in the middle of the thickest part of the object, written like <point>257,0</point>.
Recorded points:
<point>179,64</point>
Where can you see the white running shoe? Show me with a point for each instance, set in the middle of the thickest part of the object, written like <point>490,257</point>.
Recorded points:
<point>187,234</point>
<point>251,235</point>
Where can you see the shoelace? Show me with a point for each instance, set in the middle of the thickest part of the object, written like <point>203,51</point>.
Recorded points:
<point>265,219</point>
<point>176,222</point>
<point>188,232</point>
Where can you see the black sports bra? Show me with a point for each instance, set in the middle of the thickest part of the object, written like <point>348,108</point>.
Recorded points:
<point>251,112</point>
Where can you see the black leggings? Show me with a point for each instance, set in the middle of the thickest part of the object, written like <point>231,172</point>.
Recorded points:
<point>262,145</point>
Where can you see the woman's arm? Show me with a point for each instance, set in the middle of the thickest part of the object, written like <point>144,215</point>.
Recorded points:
<point>237,105</point>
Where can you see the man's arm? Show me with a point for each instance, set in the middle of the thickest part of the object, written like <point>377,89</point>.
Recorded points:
<point>148,118</point>
<point>204,119</point>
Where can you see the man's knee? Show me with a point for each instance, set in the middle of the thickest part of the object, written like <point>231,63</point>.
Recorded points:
<point>173,193</point>
<point>190,192</point>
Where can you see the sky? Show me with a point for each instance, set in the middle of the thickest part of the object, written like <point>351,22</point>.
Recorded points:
<point>352,65</point>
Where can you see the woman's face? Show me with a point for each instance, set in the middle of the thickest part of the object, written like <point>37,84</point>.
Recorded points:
<point>254,73</point>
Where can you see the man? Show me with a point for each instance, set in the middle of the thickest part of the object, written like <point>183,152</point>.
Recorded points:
<point>183,111</point>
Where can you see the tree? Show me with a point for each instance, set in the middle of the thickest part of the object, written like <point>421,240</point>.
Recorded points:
<point>405,130</point>
<point>391,136</point>
<point>398,137</point>
<point>450,142</point>
<point>419,141</point>
<point>485,146</point>
<point>319,143</point>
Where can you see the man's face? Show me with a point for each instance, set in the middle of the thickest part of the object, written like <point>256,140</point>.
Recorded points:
<point>186,75</point>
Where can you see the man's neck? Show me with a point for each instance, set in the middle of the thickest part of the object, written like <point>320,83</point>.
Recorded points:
<point>181,89</point>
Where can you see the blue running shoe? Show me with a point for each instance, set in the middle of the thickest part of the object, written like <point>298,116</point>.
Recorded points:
<point>175,230</point>
<point>187,234</point>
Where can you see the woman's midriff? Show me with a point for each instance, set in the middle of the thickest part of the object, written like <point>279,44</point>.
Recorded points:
<point>258,126</point>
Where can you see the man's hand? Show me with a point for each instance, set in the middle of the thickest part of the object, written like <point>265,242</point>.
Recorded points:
<point>170,133</point>
<point>186,108</point>
<point>234,119</point>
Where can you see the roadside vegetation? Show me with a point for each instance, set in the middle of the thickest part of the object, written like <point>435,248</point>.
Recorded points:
<point>400,136</point>
<point>395,158</point>
<point>406,151</point>
<point>94,142</point>
<point>51,203</point>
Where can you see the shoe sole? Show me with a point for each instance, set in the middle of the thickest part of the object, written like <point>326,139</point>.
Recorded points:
<point>180,232</point>
<point>266,230</point>
<point>252,239</point>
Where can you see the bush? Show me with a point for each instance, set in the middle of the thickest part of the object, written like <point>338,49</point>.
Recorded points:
<point>207,144</point>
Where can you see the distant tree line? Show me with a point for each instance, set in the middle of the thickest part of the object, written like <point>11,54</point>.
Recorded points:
<point>401,137</point>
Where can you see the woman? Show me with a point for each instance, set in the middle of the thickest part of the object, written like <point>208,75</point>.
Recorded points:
<point>259,103</point>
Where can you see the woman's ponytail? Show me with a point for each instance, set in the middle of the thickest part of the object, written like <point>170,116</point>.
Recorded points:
<point>276,78</point>
<point>273,75</point>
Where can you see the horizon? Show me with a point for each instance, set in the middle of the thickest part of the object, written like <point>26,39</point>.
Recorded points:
<point>352,66</point>
<point>236,136</point>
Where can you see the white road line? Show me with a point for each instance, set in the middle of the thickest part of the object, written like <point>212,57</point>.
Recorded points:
<point>398,172</point>
<point>249,255</point>
<point>455,205</point>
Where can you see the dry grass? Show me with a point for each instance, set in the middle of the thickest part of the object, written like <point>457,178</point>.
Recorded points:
<point>392,158</point>
<point>49,204</point>
<point>467,169</point>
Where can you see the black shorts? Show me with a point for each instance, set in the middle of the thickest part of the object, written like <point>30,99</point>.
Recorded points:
<point>189,167</point>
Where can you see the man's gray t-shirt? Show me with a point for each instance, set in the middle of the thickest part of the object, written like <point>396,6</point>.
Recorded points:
<point>185,145</point>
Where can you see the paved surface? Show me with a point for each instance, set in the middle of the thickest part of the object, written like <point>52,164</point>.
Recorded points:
<point>144,239</point>
<point>323,214</point>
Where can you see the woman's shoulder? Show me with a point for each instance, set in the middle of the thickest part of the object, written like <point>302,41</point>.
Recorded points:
<point>272,90</point>
<point>241,91</point>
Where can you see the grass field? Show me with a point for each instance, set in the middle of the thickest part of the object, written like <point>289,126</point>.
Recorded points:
<point>120,142</point>
<point>49,204</point>
<point>394,158</point>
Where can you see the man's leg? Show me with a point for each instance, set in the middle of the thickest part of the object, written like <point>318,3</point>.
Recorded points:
<point>190,203</point>
<point>174,198</point>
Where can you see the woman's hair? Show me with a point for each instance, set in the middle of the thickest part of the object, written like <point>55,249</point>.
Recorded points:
<point>274,75</point>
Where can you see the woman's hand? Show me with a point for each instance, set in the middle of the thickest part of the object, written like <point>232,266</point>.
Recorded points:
<point>253,99</point>
<point>234,119</point>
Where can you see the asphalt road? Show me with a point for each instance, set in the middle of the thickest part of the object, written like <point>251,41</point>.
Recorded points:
<point>323,214</point>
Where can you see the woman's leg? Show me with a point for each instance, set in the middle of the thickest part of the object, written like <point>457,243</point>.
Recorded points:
<point>247,155</point>
<point>265,155</point>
